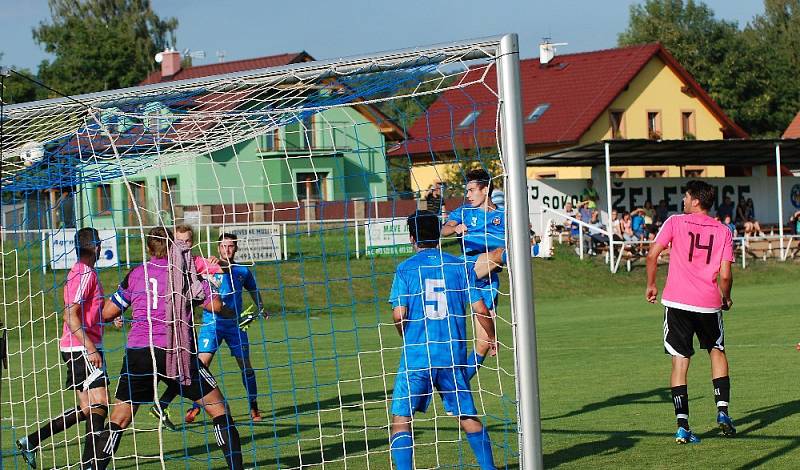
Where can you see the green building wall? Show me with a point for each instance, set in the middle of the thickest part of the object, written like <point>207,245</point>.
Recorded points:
<point>348,148</point>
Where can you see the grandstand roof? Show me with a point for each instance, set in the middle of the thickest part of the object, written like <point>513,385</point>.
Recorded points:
<point>578,88</point>
<point>232,66</point>
<point>674,152</point>
<point>793,131</point>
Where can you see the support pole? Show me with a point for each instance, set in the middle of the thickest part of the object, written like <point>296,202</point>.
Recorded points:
<point>780,195</point>
<point>609,226</point>
<point>518,249</point>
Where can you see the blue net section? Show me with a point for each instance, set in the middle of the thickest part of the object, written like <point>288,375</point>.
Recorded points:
<point>315,177</point>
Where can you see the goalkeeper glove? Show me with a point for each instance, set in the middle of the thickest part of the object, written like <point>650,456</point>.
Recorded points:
<point>246,318</point>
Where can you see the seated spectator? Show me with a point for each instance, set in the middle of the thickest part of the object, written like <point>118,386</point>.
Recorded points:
<point>751,226</point>
<point>597,236</point>
<point>616,224</point>
<point>794,223</point>
<point>729,223</point>
<point>662,212</point>
<point>726,209</point>
<point>585,211</point>
<point>569,210</point>
<point>575,229</point>
<point>627,227</point>
<point>649,213</point>
<point>741,213</point>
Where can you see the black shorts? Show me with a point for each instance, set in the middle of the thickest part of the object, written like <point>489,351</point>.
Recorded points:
<point>136,384</point>
<point>81,374</point>
<point>680,326</point>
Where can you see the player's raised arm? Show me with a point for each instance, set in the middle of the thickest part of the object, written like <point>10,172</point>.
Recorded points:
<point>454,224</point>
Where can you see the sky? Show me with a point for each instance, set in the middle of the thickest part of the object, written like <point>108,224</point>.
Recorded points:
<point>330,29</point>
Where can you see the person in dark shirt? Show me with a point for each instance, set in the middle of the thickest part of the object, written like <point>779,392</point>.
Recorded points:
<point>726,209</point>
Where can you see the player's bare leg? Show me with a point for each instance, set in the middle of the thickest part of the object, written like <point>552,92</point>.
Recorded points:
<point>722,390</point>
<point>489,262</point>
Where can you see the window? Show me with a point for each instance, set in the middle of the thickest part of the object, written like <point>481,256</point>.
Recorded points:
<point>270,141</point>
<point>470,119</point>
<point>103,199</point>
<point>687,125</point>
<point>308,132</point>
<point>617,174</point>
<point>616,124</point>
<point>654,125</point>
<point>537,112</point>
<point>653,173</point>
<point>544,176</point>
<point>693,172</point>
<point>137,203</point>
<point>169,194</point>
<point>312,186</point>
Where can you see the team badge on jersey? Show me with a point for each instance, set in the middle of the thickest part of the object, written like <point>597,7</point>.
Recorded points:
<point>496,221</point>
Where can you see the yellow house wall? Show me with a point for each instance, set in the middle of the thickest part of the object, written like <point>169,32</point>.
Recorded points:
<point>655,88</point>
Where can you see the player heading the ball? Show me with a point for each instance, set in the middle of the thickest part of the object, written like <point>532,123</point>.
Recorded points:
<point>431,299</point>
<point>701,250</point>
<point>482,227</point>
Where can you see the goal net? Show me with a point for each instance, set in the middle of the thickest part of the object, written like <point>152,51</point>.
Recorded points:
<point>315,168</point>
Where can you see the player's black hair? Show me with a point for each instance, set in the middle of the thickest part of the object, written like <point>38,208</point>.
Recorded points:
<point>86,240</point>
<point>228,236</point>
<point>480,176</point>
<point>425,227</point>
<point>701,191</point>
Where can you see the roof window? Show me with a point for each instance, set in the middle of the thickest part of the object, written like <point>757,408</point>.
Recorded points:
<point>537,112</point>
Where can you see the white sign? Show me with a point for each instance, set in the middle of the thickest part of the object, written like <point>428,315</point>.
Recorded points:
<point>62,249</point>
<point>389,236</point>
<point>628,194</point>
<point>258,242</point>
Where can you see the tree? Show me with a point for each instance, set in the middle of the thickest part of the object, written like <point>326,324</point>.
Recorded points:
<point>774,37</point>
<point>17,89</point>
<point>101,44</point>
<point>748,72</point>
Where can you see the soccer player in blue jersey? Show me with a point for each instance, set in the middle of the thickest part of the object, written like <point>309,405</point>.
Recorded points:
<point>231,282</point>
<point>482,227</point>
<point>431,299</point>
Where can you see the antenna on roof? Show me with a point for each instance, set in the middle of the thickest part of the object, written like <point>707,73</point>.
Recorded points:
<point>220,56</point>
<point>547,50</point>
<point>193,54</point>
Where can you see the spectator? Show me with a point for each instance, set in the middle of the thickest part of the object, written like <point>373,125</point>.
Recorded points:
<point>662,212</point>
<point>726,208</point>
<point>569,210</point>
<point>575,229</point>
<point>729,223</point>
<point>597,237</point>
<point>638,224</point>
<point>649,213</point>
<point>794,223</point>
<point>590,195</point>
<point>433,198</point>
<point>616,224</point>
<point>751,225</point>
<point>627,227</point>
<point>585,211</point>
<point>741,213</point>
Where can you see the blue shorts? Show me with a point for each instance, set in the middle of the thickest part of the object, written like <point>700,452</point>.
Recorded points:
<point>487,287</point>
<point>215,331</point>
<point>413,391</point>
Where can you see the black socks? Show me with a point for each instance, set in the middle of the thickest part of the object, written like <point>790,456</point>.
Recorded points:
<point>680,399</point>
<point>67,419</point>
<point>228,440</point>
<point>722,393</point>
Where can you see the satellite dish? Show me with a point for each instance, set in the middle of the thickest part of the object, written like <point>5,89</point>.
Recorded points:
<point>159,57</point>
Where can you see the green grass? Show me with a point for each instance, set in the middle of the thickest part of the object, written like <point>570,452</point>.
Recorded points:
<point>327,357</point>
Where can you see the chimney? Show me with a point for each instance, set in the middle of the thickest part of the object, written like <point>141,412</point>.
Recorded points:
<point>170,63</point>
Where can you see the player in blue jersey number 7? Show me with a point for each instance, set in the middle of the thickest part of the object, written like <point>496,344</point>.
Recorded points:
<point>431,299</point>
<point>482,227</point>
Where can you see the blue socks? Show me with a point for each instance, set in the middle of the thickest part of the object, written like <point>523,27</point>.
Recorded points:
<point>402,447</point>
<point>474,361</point>
<point>249,382</point>
<point>482,446</point>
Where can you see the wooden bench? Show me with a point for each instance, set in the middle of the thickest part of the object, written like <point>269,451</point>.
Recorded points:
<point>759,248</point>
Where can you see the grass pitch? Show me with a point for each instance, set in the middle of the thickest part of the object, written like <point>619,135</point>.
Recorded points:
<point>325,363</point>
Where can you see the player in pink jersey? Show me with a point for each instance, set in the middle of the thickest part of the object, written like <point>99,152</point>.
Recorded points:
<point>146,290</point>
<point>701,250</point>
<point>82,350</point>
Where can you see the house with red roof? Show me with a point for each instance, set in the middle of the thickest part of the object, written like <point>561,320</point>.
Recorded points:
<point>637,92</point>
<point>793,131</point>
<point>329,157</point>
